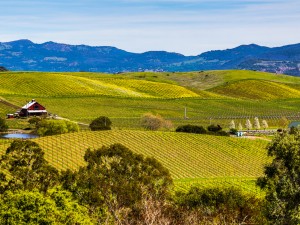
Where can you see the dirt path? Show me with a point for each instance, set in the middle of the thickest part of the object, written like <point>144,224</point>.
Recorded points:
<point>79,123</point>
<point>4,102</point>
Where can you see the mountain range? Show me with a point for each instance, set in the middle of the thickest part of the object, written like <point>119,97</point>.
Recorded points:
<point>24,55</point>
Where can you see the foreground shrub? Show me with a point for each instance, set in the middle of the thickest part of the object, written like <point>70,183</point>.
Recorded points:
<point>100,123</point>
<point>23,167</point>
<point>221,206</point>
<point>114,180</point>
<point>32,207</point>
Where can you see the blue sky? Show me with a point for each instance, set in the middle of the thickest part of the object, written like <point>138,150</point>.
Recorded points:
<point>189,27</point>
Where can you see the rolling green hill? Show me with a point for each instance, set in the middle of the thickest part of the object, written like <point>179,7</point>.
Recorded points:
<point>258,90</point>
<point>209,97</point>
<point>56,84</point>
<point>189,157</point>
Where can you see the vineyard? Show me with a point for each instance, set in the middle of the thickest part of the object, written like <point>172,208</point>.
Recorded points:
<point>258,90</point>
<point>191,158</point>
<point>199,98</point>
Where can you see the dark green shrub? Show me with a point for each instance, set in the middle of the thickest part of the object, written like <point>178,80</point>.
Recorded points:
<point>3,125</point>
<point>233,131</point>
<point>101,123</point>
<point>293,130</point>
<point>222,133</point>
<point>214,128</point>
<point>191,129</point>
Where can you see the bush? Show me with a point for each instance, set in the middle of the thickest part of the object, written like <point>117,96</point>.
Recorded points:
<point>155,122</point>
<point>53,127</point>
<point>115,179</point>
<point>191,129</point>
<point>221,133</point>
<point>32,207</point>
<point>233,131</point>
<point>34,120</point>
<point>3,125</point>
<point>100,123</point>
<point>214,128</point>
<point>229,205</point>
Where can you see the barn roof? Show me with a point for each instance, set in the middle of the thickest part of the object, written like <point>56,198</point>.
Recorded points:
<point>32,102</point>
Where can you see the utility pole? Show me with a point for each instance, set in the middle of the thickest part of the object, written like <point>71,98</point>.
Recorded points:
<point>185,113</point>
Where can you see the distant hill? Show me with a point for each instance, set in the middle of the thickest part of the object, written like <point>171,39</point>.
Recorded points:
<point>24,55</point>
<point>2,69</point>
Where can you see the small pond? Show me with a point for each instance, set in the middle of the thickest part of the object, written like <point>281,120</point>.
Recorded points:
<point>22,136</point>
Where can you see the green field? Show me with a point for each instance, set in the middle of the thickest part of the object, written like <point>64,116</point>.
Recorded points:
<point>190,158</point>
<point>210,97</point>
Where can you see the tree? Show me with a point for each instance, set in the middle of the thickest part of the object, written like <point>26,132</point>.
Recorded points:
<point>35,120</point>
<point>231,125</point>
<point>264,124</point>
<point>248,124</point>
<point>155,122</point>
<point>115,179</point>
<point>281,180</point>
<point>100,123</point>
<point>240,127</point>
<point>256,123</point>
<point>3,125</point>
<point>32,207</point>
<point>283,122</point>
<point>226,205</point>
<point>23,167</point>
<point>53,127</point>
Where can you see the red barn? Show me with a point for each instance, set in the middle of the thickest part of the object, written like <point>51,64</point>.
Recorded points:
<point>32,108</point>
